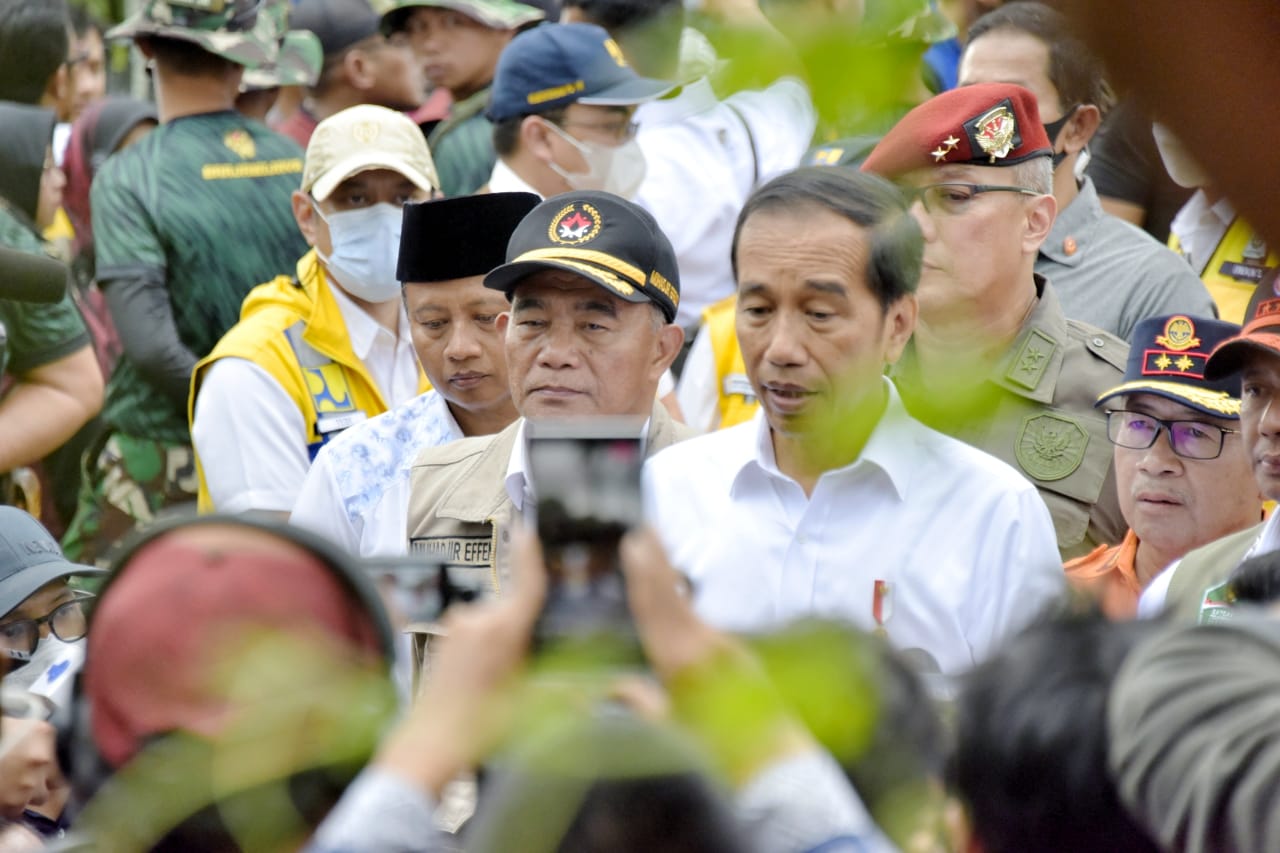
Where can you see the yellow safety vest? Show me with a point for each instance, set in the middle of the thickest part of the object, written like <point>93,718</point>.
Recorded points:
<point>293,329</point>
<point>1235,268</point>
<point>735,398</point>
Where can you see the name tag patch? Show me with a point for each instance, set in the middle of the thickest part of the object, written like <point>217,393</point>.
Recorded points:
<point>456,550</point>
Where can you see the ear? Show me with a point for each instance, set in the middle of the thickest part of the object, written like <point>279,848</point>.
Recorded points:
<point>503,323</point>
<point>1081,128</point>
<point>359,69</point>
<point>305,215</point>
<point>1041,211</point>
<point>670,340</point>
<point>58,88</point>
<point>536,139</point>
<point>900,324</point>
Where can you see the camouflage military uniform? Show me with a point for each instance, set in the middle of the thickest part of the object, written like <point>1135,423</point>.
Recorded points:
<point>203,203</point>
<point>1036,413</point>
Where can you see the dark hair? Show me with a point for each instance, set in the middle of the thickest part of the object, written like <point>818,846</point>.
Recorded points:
<point>1030,762</point>
<point>506,132</point>
<point>84,22</point>
<point>33,45</point>
<point>1257,579</point>
<point>186,58</point>
<point>648,31</point>
<point>1074,70</point>
<point>866,200</point>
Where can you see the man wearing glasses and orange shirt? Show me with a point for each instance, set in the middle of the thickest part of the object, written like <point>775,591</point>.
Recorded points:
<point>994,361</point>
<point>1181,465</point>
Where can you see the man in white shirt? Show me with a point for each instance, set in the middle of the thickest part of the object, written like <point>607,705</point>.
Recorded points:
<point>357,491</point>
<point>833,501</point>
<point>329,347</point>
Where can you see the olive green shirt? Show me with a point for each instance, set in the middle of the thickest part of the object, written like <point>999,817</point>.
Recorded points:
<point>1035,411</point>
<point>462,147</point>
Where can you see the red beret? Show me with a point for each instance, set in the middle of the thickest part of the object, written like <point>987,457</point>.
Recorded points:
<point>988,124</point>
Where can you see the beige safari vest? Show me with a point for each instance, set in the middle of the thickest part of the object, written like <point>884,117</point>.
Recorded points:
<point>1036,413</point>
<point>459,509</point>
<point>293,329</point>
<point>1205,567</point>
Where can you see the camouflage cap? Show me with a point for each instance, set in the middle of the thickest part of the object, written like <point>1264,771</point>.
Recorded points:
<point>298,63</point>
<point>226,28</point>
<point>495,14</point>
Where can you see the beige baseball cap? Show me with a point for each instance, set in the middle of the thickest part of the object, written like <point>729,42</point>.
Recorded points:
<point>361,138</point>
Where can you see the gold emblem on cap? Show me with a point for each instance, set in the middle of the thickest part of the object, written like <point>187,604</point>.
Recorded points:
<point>1179,334</point>
<point>616,52</point>
<point>574,225</point>
<point>1184,364</point>
<point>365,132</point>
<point>240,143</point>
<point>995,132</point>
<point>948,145</point>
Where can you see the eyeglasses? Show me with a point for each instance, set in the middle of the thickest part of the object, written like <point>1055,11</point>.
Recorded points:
<point>1189,439</point>
<point>68,622</point>
<point>952,198</point>
<point>619,131</point>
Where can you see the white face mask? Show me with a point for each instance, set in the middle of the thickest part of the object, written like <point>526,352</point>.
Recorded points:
<point>47,653</point>
<point>613,169</point>
<point>366,245</point>
<point>1178,162</point>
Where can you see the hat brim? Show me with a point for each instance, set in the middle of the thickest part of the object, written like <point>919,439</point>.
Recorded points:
<point>1230,355</point>
<point>24,583</point>
<point>242,48</point>
<point>627,93</point>
<point>1218,404</point>
<point>366,160</point>
<point>496,15</point>
<point>507,276</point>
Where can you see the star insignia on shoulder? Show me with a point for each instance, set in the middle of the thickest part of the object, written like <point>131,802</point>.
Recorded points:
<point>948,145</point>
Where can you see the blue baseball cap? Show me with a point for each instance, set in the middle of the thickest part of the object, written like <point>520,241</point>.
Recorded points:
<point>559,64</point>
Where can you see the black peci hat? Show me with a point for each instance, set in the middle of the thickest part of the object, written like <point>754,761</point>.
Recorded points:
<point>453,238</point>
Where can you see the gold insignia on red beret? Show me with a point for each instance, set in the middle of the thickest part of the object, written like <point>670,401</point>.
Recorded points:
<point>948,145</point>
<point>995,132</point>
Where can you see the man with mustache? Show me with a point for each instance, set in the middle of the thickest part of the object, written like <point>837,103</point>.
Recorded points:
<point>1183,476</point>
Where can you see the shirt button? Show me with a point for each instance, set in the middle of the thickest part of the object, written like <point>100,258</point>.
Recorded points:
<point>802,539</point>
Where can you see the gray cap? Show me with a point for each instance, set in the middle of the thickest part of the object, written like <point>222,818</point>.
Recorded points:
<point>29,558</point>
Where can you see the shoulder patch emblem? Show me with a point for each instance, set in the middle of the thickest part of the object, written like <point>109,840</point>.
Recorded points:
<point>574,225</point>
<point>1050,447</point>
<point>1032,360</point>
<point>240,143</point>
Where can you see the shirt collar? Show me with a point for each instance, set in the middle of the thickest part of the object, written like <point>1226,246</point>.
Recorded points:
<point>888,448</point>
<point>504,180</point>
<point>362,330</point>
<point>1072,229</point>
<point>690,100</point>
<point>438,408</point>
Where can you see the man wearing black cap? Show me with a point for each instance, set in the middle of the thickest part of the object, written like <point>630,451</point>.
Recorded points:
<point>994,361</point>
<point>563,97</point>
<point>593,286</point>
<point>1181,469</point>
<point>1195,587</point>
<point>357,490</point>
<point>361,65</point>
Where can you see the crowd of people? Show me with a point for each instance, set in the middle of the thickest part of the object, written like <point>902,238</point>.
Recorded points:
<point>928,377</point>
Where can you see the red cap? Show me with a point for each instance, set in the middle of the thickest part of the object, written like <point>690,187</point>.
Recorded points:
<point>987,124</point>
<point>161,629</point>
<point>1261,332</point>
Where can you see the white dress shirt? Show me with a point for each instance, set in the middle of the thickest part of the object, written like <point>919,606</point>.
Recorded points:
<point>357,491</point>
<point>249,432</point>
<point>965,542</point>
<point>701,168</point>
<point>1200,227</point>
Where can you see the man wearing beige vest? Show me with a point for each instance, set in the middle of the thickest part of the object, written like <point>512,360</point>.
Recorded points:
<point>593,286</point>
<point>1195,587</point>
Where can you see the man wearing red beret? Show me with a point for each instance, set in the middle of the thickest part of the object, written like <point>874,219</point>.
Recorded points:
<point>994,361</point>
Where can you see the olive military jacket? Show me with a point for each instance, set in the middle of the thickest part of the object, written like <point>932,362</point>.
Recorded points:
<point>1035,411</point>
<point>459,509</point>
<point>1206,567</point>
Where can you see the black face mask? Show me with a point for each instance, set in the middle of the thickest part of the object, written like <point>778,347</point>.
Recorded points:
<point>1053,128</point>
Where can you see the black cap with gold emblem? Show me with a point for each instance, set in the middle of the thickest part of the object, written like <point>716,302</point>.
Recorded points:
<point>601,237</point>
<point>1167,357</point>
